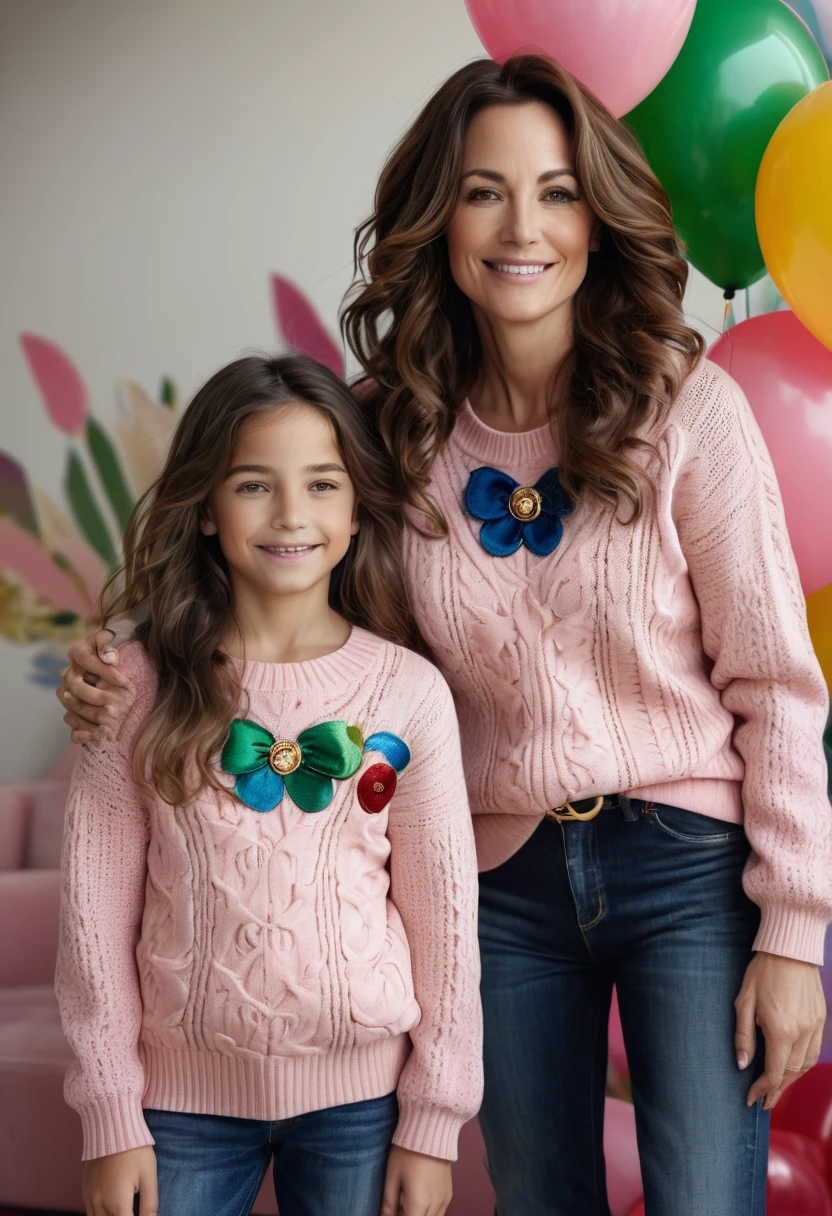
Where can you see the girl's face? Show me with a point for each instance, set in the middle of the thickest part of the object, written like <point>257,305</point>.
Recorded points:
<point>284,511</point>
<point>521,233</point>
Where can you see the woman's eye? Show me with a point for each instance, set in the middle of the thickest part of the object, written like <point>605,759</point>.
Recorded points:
<point>559,195</point>
<point>482,195</point>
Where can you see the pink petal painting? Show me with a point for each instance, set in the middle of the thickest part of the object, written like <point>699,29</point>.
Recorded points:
<point>301,326</point>
<point>59,381</point>
<point>20,552</point>
<point>60,536</point>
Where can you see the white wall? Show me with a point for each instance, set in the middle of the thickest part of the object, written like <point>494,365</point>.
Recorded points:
<point>159,159</point>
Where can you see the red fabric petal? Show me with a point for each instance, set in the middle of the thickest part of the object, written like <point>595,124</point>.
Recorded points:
<point>376,787</point>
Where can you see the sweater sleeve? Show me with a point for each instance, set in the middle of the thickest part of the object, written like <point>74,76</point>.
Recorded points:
<point>433,870</point>
<point>102,900</point>
<point>732,530</point>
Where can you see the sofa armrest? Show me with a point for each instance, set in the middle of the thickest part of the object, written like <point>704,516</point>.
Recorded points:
<point>15,806</point>
<point>30,902</point>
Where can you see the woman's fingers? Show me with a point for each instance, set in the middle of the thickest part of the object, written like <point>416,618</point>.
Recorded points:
<point>95,656</point>
<point>745,1038</point>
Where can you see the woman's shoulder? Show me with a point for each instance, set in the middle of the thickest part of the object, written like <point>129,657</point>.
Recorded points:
<point>709,405</point>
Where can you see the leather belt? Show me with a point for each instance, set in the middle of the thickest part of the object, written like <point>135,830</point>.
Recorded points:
<point>583,809</point>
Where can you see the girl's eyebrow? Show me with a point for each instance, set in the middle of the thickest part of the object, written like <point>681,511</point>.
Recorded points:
<point>265,471</point>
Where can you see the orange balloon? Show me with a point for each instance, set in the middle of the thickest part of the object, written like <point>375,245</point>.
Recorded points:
<point>793,207</point>
<point>819,613</point>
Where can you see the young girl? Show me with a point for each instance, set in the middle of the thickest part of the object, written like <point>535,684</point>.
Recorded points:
<point>268,938</point>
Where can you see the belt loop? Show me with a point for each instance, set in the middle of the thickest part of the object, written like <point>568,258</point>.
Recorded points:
<point>629,811</point>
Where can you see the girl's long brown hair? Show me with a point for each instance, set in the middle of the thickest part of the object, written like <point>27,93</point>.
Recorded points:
<point>178,577</point>
<point>413,330</point>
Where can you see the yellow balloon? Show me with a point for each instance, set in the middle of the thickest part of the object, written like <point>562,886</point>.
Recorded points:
<point>793,206</point>
<point>819,612</point>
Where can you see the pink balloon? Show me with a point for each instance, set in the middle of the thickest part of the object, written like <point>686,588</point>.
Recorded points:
<point>786,374</point>
<point>620,49</point>
<point>621,1153</point>
<point>615,1039</point>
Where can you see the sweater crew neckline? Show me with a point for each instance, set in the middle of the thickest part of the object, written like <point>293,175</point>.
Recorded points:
<point>342,666</point>
<point>500,448</point>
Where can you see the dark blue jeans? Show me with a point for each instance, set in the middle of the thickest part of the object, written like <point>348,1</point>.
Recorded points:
<point>325,1162</point>
<point>650,900</point>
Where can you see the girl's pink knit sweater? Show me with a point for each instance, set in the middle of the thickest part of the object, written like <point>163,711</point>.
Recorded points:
<point>668,658</point>
<point>218,960</point>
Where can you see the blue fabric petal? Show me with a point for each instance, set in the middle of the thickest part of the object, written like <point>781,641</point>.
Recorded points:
<point>554,499</point>
<point>542,535</point>
<point>262,790</point>
<point>488,492</point>
<point>503,536</point>
<point>395,750</point>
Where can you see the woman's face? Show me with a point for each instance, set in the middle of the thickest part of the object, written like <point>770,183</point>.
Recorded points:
<point>521,233</point>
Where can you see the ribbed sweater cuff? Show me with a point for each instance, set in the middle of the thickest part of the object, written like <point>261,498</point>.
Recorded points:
<point>113,1125</point>
<point>792,932</point>
<point>428,1130</point>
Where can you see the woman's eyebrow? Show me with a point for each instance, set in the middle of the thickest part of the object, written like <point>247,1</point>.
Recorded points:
<point>493,176</point>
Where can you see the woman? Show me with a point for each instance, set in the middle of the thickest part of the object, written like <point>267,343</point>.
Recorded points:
<point>599,561</point>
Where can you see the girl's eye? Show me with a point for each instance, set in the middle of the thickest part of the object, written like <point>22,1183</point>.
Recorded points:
<point>324,485</point>
<point>251,487</point>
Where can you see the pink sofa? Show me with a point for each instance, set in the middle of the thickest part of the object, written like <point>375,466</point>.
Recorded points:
<point>40,1137</point>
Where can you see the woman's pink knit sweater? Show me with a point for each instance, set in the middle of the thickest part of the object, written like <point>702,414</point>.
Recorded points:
<point>218,960</point>
<point>668,658</point>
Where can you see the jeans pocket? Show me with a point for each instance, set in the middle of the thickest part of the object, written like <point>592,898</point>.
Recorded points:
<point>690,827</point>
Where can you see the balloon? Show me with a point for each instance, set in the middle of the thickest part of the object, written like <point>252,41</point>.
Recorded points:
<point>794,210</point>
<point>794,1185</point>
<point>787,377</point>
<point>826,980</point>
<point>806,1107</point>
<point>615,1039</point>
<point>704,130</point>
<point>638,1210</point>
<point>819,615</point>
<point>818,17</point>
<point>621,1153</point>
<point>620,49</point>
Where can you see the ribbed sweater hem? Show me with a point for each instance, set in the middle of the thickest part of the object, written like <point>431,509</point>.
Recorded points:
<point>271,1087</point>
<point>499,837</point>
<point>424,1129</point>
<point>792,932</point>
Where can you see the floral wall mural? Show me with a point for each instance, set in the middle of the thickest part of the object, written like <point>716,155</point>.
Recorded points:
<point>53,558</point>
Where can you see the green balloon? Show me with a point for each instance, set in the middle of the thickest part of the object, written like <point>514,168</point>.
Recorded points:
<point>706,125</point>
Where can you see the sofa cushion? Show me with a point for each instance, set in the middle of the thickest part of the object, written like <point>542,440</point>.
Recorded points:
<point>30,1030</point>
<point>14,814</point>
<point>30,903</point>
<point>46,824</point>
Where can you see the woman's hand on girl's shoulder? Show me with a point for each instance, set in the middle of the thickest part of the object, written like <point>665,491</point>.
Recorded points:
<point>93,692</point>
<point>416,1185</point>
<point>110,1184</point>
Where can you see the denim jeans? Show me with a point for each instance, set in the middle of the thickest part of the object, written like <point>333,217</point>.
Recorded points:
<point>326,1162</point>
<point>650,899</point>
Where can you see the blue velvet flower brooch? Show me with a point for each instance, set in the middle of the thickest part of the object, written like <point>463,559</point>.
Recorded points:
<point>516,515</point>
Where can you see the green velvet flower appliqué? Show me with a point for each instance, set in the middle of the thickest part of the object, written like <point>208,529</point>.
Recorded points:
<point>304,768</point>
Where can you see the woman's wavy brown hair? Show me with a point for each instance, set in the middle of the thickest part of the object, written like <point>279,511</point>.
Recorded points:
<point>413,330</point>
<point>177,578</point>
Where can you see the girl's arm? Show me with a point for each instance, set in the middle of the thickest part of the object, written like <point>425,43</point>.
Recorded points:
<point>732,530</point>
<point>97,983</point>
<point>433,871</point>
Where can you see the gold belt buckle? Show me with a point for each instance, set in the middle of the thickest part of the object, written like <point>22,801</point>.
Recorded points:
<point>567,811</point>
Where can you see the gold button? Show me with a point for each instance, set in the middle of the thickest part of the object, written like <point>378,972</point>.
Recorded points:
<point>525,504</point>
<point>378,787</point>
<point>284,756</point>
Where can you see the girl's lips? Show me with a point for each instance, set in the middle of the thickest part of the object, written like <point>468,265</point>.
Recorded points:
<point>295,556</point>
<point>524,276</point>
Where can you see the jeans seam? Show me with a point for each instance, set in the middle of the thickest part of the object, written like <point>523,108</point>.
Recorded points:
<point>591,924</point>
<point>594,1133</point>
<point>754,1186</point>
<point>252,1195</point>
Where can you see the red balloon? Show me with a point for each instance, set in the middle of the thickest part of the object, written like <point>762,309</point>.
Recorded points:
<point>638,1210</point>
<point>794,1188</point>
<point>806,1107</point>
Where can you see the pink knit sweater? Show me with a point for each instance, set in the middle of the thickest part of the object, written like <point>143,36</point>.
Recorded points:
<point>668,658</point>
<point>218,960</point>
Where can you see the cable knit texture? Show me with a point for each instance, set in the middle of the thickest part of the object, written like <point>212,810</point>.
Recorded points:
<point>668,658</point>
<point>220,961</point>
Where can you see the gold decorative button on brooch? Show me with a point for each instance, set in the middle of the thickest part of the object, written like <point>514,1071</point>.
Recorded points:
<point>525,503</point>
<point>284,756</point>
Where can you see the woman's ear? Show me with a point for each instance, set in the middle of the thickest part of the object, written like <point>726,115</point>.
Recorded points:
<point>206,522</point>
<point>354,526</point>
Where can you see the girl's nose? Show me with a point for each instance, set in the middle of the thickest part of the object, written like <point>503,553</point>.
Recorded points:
<point>288,512</point>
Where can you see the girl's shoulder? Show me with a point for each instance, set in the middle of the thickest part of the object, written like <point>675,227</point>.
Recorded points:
<point>409,676</point>
<point>135,663</point>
